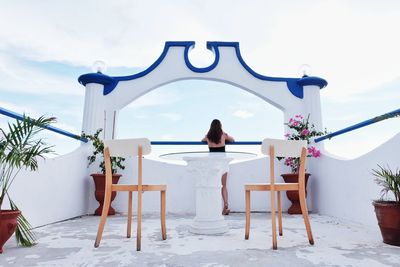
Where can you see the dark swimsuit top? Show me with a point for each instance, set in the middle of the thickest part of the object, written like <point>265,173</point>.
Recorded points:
<point>217,149</point>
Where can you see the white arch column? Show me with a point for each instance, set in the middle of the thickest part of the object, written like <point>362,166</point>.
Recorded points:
<point>97,114</point>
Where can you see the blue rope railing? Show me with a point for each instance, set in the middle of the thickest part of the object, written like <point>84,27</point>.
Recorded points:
<point>174,143</point>
<point>392,114</point>
<point>17,116</point>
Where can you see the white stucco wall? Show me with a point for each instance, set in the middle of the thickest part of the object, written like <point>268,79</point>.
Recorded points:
<point>62,188</point>
<point>346,188</point>
<point>56,192</point>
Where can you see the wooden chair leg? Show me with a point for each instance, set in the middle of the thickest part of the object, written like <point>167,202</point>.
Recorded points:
<point>139,222</point>
<point>247,229</point>
<point>104,213</point>
<point>163,227</point>
<point>280,213</point>
<point>304,211</point>
<point>128,230</point>
<point>273,219</point>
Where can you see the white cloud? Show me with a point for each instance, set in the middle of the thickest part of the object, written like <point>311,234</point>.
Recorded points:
<point>243,114</point>
<point>16,75</point>
<point>349,44</point>
<point>172,116</point>
<point>19,109</point>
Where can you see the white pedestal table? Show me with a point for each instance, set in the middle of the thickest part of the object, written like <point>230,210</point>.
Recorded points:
<point>207,169</point>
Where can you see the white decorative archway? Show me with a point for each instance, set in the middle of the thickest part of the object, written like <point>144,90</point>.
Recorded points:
<point>106,95</point>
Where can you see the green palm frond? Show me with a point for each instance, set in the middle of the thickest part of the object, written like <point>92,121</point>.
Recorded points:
<point>23,233</point>
<point>389,180</point>
<point>20,148</point>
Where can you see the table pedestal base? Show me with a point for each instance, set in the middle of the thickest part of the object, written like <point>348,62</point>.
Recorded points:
<point>208,171</point>
<point>209,227</point>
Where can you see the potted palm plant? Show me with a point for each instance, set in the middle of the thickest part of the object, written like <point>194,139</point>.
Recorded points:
<point>100,178</point>
<point>388,211</point>
<point>20,148</point>
<point>302,129</point>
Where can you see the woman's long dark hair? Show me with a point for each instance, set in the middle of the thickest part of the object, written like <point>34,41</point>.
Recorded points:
<point>215,132</point>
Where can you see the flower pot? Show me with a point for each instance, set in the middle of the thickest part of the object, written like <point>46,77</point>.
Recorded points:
<point>100,185</point>
<point>293,196</point>
<point>8,224</point>
<point>388,215</point>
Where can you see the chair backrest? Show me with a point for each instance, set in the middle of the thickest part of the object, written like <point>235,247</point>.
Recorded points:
<point>285,148</point>
<point>125,148</point>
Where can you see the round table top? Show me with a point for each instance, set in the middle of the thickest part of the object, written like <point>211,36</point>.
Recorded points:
<point>231,155</point>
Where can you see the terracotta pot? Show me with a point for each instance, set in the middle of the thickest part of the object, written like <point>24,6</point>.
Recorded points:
<point>8,224</point>
<point>388,215</point>
<point>100,185</point>
<point>293,196</point>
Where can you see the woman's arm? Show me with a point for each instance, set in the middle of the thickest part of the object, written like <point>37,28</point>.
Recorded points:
<point>229,138</point>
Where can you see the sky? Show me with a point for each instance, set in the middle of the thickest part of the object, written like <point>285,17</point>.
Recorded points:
<point>46,45</point>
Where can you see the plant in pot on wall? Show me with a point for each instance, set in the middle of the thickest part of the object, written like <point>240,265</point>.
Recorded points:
<point>302,129</point>
<point>100,178</point>
<point>20,148</point>
<point>388,211</point>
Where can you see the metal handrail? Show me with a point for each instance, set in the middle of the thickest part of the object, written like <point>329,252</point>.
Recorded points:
<point>17,116</point>
<point>392,114</point>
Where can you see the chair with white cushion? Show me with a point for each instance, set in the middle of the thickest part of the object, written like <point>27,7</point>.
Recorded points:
<point>281,148</point>
<point>134,148</point>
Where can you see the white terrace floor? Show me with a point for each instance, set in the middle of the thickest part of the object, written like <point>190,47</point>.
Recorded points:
<point>337,243</point>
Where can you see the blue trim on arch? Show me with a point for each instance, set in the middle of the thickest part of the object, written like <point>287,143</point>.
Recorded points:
<point>206,69</point>
<point>295,85</point>
<point>294,88</point>
<point>109,82</point>
<point>310,80</point>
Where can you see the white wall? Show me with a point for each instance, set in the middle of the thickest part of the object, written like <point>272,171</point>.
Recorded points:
<point>346,188</point>
<point>57,191</point>
<point>181,186</point>
<point>62,187</point>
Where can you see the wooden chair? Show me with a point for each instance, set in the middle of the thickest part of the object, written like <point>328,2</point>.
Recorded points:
<point>281,148</point>
<point>125,148</point>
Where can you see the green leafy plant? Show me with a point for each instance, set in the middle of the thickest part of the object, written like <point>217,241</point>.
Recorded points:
<point>98,145</point>
<point>389,180</point>
<point>20,148</point>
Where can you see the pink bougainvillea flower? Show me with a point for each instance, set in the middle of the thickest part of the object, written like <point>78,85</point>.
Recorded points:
<point>302,130</point>
<point>314,152</point>
<point>289,162</point>
<point>305,132</point>
<point>295,123</point>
